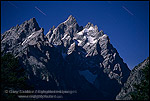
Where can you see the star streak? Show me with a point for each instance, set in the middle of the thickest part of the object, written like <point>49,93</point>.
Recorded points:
<point>40,10</point>
<point>127,10</point>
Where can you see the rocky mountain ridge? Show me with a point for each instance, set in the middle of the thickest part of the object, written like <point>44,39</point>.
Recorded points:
<point>68,57</point>
<point>136,76</point>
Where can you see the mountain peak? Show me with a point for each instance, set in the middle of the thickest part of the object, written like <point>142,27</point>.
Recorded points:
<point>32,20</point>
<point>89,25</point>
<point>70,20</point>
<point>32,24</point>
<point>70,17</point>
<point>102,31</point>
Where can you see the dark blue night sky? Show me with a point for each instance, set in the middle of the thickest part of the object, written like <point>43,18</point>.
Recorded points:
<point>125,22</point>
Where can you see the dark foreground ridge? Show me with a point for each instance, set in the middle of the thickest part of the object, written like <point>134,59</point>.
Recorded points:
<point>137,77</point>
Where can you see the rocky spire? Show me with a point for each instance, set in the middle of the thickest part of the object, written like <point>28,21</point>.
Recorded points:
<point>32,20</point>
<point>89,25</point>
<point>70,20</point>
<point>31,24</point>
<point>50,32</point>
<point>65,30</point>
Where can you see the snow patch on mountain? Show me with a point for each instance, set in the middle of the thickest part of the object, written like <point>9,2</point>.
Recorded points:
<point>91,28</point>
<point>80,33</point>
<point>27,38</point>
<point>64,36</point>
<point>91,39</point>
<point>79,42</point>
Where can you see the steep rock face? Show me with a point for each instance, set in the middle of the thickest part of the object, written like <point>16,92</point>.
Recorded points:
<point>28,43</point>
<point>14,37</point>
<point>136,76</point>
<point>68,57</point>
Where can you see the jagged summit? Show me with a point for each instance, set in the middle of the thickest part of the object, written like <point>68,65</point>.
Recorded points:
<point>70,17</point>
<point>32,20</point>
<point>64,32</point>
<point>33,24</point>
<point>101,31</point>
<point>89,25</point>
<point>16,36</point>
<point>70,20</point>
